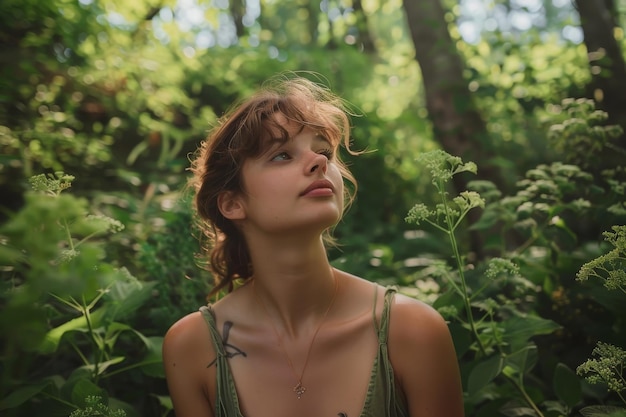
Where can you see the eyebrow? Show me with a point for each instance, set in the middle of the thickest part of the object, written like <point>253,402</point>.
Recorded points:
<point>270,144</point>
<point>272,141</point>
<point>277,141</point>
<point>323,138</point>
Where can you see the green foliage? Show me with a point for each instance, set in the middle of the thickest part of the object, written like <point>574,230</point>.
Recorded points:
<point>120,93</point>
<point>447,215</point>
<point>52,184</point>
<point>501,343</point>
<point>544,209</point>
<point>566,385</point>
<point>603,411</point>
<point>95,408</point>
<point>169,259</point>
<point>610,267</point>
<point>607,369</point>
<point>500,340</point>
<point>65,304</point>
<point>514,75</point>
<point>582,136</point>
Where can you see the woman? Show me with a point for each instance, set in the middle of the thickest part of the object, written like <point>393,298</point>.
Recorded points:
<point>294,336</point>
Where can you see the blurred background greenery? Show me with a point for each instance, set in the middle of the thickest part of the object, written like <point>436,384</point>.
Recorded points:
<point>114,96</point>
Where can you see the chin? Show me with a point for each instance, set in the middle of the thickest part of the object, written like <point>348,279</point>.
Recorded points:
<point>328,222</point>
<point>319,223</point>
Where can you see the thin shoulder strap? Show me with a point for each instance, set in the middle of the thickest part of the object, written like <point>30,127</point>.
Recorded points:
<point>209,318</point>
<point>374,309</point>
<point>227,401</point>
<point>384,399</point>
<point>382,328</point>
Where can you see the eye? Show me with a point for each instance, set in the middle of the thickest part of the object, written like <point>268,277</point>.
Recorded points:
<point>328,153</point>
<point>282,156</point>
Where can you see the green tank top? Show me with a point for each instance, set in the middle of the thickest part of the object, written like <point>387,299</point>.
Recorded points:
<point>383,398</point>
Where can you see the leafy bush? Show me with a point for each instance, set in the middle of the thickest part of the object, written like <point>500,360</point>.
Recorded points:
<point>65,307</point>
<point>169,259</point>
<point>504,336</point>
<point>490,328</point>
<point>609,368</point>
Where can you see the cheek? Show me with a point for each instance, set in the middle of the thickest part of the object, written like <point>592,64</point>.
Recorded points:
<point>337,180</point>
<point>260,186</point>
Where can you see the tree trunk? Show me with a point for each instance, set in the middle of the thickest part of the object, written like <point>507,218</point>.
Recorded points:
<point>362,26</point>
<point>313,12</point>
<point>608,69</point>
<point>457,124</point>
<point>237,10</point>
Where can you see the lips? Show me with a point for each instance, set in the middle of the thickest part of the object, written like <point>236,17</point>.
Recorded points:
<point>321,185</point>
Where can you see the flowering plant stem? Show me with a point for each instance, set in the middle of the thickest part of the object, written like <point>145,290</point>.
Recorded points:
<point>449,230</point>
<point>447,216</point>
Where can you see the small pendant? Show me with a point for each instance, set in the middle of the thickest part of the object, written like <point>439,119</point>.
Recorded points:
<point>299,390</point>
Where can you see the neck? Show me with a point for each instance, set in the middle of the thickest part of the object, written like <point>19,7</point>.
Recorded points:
<point>292,329</point>
<point>294,284</point>
<point>293,279</point>
<point>293,264</point>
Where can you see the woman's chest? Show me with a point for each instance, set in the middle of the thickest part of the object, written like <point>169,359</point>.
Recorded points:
<point>327,376</point>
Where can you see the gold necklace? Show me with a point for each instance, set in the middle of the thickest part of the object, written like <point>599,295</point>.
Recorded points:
<point>298,389</point>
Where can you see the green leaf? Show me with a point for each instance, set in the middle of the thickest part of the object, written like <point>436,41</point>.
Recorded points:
<point>559,223</point>
<point>54,336</point>
<point>103,366</point>
<point>23,394</point>
<point>125,297</point>
<point>152,363</point>
<point>121,406</point>
<point>521,362</point>
<point>113,331</point>
<point>165,401</point>
<point>462,338</point>
<point>488,219</point>
<point>519,330</point>
<point>557,407</point>
<point>566,385</point>
<point>484,373</point>
<point>83,388</point>
<point>11,256</point>
<point>516,408</point>
<point>136,151</point>
<point>603,411</point>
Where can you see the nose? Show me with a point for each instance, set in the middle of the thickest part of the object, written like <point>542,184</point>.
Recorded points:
<point>319,162</point>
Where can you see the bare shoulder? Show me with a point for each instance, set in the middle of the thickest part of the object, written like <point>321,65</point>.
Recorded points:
<point>416,327</point>
<point>188,335</point>
<point>187,352</point>
<point>424,360</point>
<point>414,319</point>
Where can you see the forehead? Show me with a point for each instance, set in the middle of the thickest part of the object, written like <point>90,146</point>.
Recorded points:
<point>280,127</point>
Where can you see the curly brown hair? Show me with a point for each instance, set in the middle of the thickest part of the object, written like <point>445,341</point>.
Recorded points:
<point>240,135</point>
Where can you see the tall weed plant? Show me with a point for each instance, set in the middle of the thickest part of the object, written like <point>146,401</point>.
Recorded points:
<point>494,305</point>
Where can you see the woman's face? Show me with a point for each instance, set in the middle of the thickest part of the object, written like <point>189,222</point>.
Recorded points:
<point>293,186</point>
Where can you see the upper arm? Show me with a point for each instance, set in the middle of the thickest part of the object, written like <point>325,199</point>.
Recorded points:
<point>186,352</point>
<point>424,360</point>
